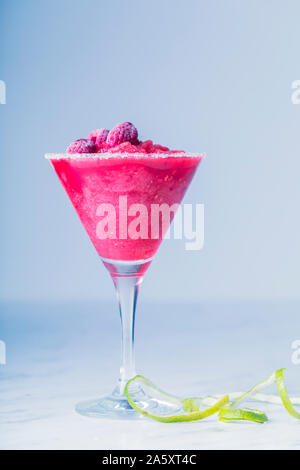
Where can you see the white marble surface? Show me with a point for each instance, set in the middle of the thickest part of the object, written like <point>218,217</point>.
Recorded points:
<point>60,354</point>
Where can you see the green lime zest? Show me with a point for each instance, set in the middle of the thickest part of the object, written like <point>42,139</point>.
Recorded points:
<point>226,411</point>
<point>253,391</point>
<point>245,414</point>
<point>192,416</point>
<point>233,413</point>
<point>189,404</point>
<point>284,395</point>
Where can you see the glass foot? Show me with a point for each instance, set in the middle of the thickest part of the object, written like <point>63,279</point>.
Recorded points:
<point>116,406</point>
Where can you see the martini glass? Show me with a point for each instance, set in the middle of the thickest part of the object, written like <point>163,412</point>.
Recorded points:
<point>114,195</point>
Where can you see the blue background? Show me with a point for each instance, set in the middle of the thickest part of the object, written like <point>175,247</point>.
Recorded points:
<point>211,76</point>
<point>203,76</point>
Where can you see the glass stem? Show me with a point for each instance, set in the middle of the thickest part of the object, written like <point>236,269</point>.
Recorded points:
<point>127,289</point>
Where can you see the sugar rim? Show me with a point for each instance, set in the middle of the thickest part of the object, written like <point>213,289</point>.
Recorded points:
<point>106,155</point>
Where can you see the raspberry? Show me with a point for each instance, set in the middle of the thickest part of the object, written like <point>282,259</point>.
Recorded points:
<point>92,135</point>
<point>82,146</point>
<point>101,137</point>
<point>98,137</point>
<point>123,132</point>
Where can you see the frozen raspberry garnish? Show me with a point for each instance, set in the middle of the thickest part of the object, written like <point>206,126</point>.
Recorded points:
<point>82,146</point>
<point>101,137</point>
<point>92,135</point>
<point>98,136</point>
<point>123,132</point>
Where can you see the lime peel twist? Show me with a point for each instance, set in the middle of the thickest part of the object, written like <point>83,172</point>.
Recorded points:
<point>195,415</point>
<point>287,403</point>
<point>227,412</point>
